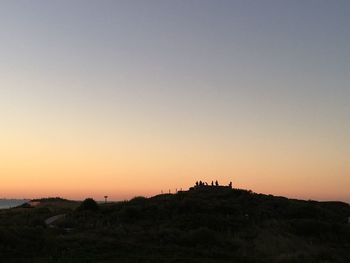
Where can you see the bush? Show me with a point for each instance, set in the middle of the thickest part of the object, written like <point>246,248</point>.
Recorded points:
<point>88,204</point>
<point>129,214</point>
<point>138,200</point>
<point>204,237</point>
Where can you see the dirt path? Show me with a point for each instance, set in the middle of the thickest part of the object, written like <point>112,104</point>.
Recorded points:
<point>52,219</point>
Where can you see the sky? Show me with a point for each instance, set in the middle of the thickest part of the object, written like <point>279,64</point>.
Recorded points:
<point>128,98</point>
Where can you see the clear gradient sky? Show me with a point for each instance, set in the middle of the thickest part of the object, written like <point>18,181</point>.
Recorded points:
<point>129,98</point>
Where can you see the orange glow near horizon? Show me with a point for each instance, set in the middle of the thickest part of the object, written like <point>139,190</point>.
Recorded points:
<point>122,170</point>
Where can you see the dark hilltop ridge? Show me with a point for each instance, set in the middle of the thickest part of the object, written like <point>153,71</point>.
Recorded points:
<point>207,223</point>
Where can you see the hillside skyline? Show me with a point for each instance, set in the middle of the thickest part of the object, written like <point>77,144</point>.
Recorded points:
<point>128,98</point>
<point>198,184</point>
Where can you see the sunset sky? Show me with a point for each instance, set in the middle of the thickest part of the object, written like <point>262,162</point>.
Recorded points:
<point>127,98</point>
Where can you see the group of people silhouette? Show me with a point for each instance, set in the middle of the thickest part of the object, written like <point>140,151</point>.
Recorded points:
<point>216,183</point>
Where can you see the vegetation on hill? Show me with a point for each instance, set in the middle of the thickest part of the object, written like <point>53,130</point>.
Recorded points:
<point>88,204</point>
<point>205,224</point>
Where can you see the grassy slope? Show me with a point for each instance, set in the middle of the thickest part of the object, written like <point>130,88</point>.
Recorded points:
<point>203,225</point>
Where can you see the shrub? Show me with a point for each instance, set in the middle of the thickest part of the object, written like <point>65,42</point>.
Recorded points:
<point>129,214</point>
<point>88,204</point>
<point>138,200</point>
<point>203,236</point>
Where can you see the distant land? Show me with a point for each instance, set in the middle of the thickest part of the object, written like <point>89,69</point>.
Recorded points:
<point>207,223</point>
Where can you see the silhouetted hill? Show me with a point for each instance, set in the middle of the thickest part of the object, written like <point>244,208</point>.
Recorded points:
<point>51,202</point>
<point>204,224</point>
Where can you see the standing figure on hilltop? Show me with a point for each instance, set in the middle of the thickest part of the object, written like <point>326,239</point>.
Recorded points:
<point>230,185</point>
<point>212,183</point>
<point>216,183</point>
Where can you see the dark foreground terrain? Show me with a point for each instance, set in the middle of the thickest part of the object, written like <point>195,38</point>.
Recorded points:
<point>205,224</point>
